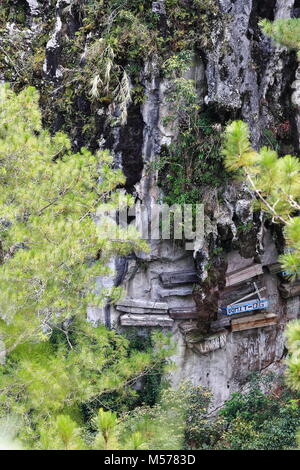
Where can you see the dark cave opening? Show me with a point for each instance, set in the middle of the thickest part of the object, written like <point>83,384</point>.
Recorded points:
<point>296,10</point>
<point>265,10</point>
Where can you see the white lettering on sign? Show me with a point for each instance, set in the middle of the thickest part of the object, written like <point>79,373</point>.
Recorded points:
<point>246,307</point>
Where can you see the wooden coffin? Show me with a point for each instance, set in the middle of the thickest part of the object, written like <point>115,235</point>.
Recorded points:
<point>275,268</point>
<point>188,326</point>
<point>225,321</point>
<point>230,294</point>
<point>141,306</point>
<point>241,275</point>
<point>178,278</point>
<point>183,313</point>
<point>289,290</point>
<point>254,321</point>
<point>221,323</point>
<point>182,291</point>
<point>247,306</point>
<point>146,320</point>
<point>211,343</point>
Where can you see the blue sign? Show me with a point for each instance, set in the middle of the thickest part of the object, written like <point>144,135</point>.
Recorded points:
<point>257,304</point>
<point>284,273</point>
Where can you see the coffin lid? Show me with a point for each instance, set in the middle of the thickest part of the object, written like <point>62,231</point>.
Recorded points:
<point>143,304</point>
<point>254,321</point>
<point>240,275</point>
<point>179,277</point>
<point>146,320</point>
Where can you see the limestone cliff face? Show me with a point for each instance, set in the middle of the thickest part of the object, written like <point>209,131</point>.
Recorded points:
<point>240,75</point>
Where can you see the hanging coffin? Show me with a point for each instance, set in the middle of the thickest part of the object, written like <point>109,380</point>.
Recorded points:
<point>290,290</point>
<point>190,313</point>
<point>254,321</point>
<point>178,278</point>
<point>230,294</point>
<point>146,320</point>
<point>182,291</point>
<point>141,306</point>
<point>275,268</point>
<point>241,275</point>
<point>249,306</point>
<point>221,323</point>
<point>210,343</point>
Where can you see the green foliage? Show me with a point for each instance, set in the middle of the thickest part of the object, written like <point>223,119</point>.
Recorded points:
<point>179,420</point>
<point>105,422</point>
<point>255,402</point>
<point>237,147</point>
<point>150,384</point>
<point>178,64</point>
<point>49,237</point>
<point>154,381</point>
<point>22,54</point>
<point>132,33</point>
<point>51,250</point>
<point>285,32</point>
<point>193,161</point>
<point>276,183</point>
<point>293,342</point>
<point>266,417</point>
<point>101,63</point>
<point>201,431</point>
<point>42,381</point>
<point>62,434</point>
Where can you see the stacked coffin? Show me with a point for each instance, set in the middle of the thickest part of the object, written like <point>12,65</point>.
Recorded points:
<point>140,312</point>
<point>275,268</point>
<point>241,275</point>
<point>254,321</point>
<point>188,313</point>
<point>180,283</point>
<point>175,279</point>
<point>230,294</point>
<point>245,322</point>
<point>289,290</point>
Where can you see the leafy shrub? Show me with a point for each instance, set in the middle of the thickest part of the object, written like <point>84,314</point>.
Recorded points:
<point>192,162</point>
<point>266,417</point>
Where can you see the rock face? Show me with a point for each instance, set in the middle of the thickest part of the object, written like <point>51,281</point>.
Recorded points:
<point>245,75</point>
<point>241,75</point>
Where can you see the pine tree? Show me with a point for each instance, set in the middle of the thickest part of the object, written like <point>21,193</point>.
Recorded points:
<point>276,183</point>
<point>285,31</point>
<point>49,236</point>
<point>51,250</point>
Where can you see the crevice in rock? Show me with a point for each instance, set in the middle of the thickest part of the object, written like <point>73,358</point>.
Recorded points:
<point>130,146</point>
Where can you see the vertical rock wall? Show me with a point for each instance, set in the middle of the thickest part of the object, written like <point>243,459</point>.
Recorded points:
<point>242,75</point>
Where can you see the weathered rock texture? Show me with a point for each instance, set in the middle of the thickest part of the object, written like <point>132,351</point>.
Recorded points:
<point>241,75</point>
